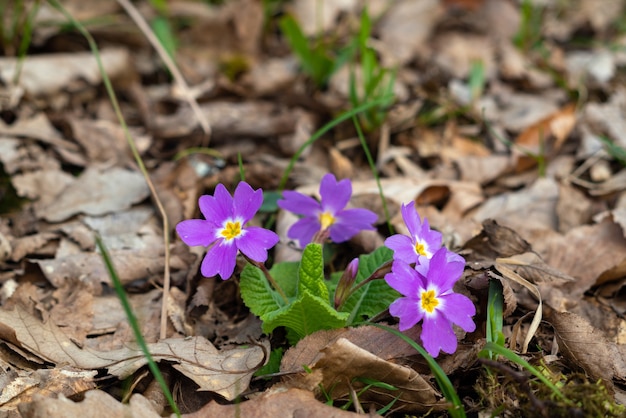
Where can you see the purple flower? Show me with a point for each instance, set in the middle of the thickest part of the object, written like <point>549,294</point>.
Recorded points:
<point>225,229</point>
<point>428,296</point>
<point>422,242</point>
<point>342,224</point>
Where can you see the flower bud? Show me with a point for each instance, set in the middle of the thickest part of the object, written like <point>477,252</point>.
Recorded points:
<point>345,283</point>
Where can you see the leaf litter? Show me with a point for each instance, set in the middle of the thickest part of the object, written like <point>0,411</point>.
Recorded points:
<point>516,173</point>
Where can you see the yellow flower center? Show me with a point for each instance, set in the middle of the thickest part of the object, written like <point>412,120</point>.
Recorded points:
<point>231,230</point>
<point>429,301</point>
<point>326,219</point>
<point>421,249</point>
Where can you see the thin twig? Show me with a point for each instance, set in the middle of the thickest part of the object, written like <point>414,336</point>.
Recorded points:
<point>170,64</point>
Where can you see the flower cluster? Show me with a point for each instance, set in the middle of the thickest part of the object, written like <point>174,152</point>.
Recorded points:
<point>424,272</point>
<point>327,215</point>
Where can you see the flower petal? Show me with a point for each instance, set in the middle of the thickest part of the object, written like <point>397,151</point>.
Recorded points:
<point>303,230</point>
<point>404,279</point>
<point>256,242</point>
<point>196,232</point>
<point>224,202</point>
<point>299,204</point>
<point>406,310</point>
<point>411,218</point>
<point>437,334</point>
<point>350,222</point>
<point>246,201</point>
<point>442,272</point>
<point>459,310</point>
<point>214,211</point>
<point>220,259</point>
<point>402,247</point>
<point>335,194</point>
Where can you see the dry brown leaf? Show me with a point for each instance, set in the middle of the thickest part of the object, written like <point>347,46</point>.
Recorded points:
<point>321,15</point>
<point>35,77</point>
<point>588,253</point>
<point>344,363</point>
<point>495,241</point>
<point>588,348</point>
<point>405,28</point>
<point>530,208</point>
<point>226,372</point>
<point>373,339</point>
<point>97,404</point>
<point>290,403</point>
<point>30,244</point>
<point>544,137</point>
<point>533,268</point>
<point>97,192</point>
<point>573,208</point>
<point>27,386</point>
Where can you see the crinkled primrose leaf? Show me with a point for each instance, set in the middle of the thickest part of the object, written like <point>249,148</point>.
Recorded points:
<point>304,316</point>
<point>258,294</point>
<point>309,309</point>
<point>311,272</point>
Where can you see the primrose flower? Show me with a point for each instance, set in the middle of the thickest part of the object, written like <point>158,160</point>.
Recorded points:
<point>342,224</point>
<point>225,230</point>
<point>422,242</point>
<point>428,296</point>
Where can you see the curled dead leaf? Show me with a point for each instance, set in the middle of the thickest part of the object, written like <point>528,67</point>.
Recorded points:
<point>588,348</point>
<point>226,372</point>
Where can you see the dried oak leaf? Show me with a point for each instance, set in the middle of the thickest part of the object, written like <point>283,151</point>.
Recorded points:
<point>226,372</point>
<point>292,403</point>
<point>27,385</point>
<point>97,404</point>
<point>344,363</point>
<point>97,192</point>
<point>588,348</point>
<point>495,241</point>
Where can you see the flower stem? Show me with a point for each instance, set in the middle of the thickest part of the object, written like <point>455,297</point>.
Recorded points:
<point>269,277</point>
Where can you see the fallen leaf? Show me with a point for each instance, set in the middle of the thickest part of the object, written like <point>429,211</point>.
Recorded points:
<point>338,372</point>
<point>97,192</point>
<point>544,138</point>
<point>405,28</point>
<point>226,372</point>
<point>30,385</point>
<point>588,348</point>
<point>290,403</point>
<point>531,208</point>
<point>97,404</point>
<point>35,76</point>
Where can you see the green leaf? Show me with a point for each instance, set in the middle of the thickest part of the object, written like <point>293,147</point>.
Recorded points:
<point>273,364</point>
<point>311,273</point>
<point>270,197</point>
<point>257,293</point>
<point>304,316</point>
<point>163,31</point>
<point>286,275</point>
<point>375,297</point>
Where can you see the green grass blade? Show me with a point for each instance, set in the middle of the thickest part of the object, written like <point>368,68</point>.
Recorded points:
<point>134,324</point>
<point>330,125</point>
<point>457,410</point>
<point>510,355</point>
<point>372,165</point>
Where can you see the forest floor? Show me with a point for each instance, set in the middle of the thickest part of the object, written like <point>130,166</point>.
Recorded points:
<point>504,121</point>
